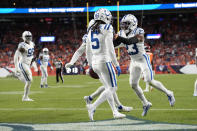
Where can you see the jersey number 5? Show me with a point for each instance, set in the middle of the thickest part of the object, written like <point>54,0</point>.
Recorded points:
<point>93,39</point>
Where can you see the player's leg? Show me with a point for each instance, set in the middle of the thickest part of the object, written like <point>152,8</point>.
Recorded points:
<point>119,104</point>
<point>57,76</point>
<point>46,76</point>
<point>26,71</point>
<point>61,76</point>
<point>42,77</point>
<point>195,88</point>
<point>154,83</point>
<point>135,72</point>
<point>89,99</point>
<point>147,87</point>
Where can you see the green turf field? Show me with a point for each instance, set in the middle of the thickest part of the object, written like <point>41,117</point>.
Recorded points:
<point>64,102</point>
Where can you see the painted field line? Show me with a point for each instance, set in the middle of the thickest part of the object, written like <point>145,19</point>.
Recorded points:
<point>82,109</point>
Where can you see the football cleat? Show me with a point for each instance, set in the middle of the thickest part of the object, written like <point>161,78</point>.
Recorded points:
<point>119,115</point>
<point>171,99</point>
<point>146,90</point>
<point>91,112</point>
<point>194,94</point>
<point>146,108</point>
<point>27,99</point>
<point>88,99</point>
<point>41,86</point>
<point>124,109</point>
<point>46,86</point>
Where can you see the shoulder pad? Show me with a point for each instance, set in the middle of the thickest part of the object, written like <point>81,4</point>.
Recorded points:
<point>108,27</point>
<point>140,31</point>
<point>84,38</point>
<point>21,45</point>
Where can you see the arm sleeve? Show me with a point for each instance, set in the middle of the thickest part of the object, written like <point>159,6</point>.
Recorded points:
<point>16,58</point>
<point>110,46</point>
<point>88,54</point>
<point>49,64</point>
<point>126,41</point>
<point>78,53</point>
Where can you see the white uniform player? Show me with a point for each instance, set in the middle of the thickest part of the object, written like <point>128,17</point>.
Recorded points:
<point>22,60</point>
<point>89,99</point>
<point>44,63</point>
<point>100,38</point>
<point>140,62</point>
<point>195,85</point>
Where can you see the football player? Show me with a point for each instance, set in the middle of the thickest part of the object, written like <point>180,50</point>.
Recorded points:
<point>44,63</point>
<point>195,85</point>
<point>89,99</point>
<point>100,39</point>
<point>22,60</point>
<point>139,60</point>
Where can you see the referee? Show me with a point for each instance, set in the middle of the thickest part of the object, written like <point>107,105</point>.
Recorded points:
<point>58,64</point>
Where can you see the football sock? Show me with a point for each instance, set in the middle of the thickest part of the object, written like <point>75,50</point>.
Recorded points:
<point>116,100</point>
<point>158,85</point>
<point>140,94</point>
<point>26,89</point>
<point>195,87</point>
<point>97,92</point>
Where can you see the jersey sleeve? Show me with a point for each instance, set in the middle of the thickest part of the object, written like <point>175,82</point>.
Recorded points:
<point>110,46</point>
<point>78,53</point>
<point>88,53</point>
<point>21,45</point>
<point>140,31</point>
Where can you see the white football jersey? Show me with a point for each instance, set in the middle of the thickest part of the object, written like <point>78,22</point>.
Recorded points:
<point>134,50</point>
<point>45,60</point>
<point>27,56</point>
<point>101,45</point>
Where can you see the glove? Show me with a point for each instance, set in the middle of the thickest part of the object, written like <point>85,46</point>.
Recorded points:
<point>51,67</point>
<point>17,72</point>
<point>68,65</point>
<point>118,69</point>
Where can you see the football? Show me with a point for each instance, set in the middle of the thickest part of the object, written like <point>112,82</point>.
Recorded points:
<point>93,74</point>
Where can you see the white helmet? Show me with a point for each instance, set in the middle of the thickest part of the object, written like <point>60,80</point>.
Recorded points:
<point>103,15</point>
<point>45,51</point>
<point>128,23</point>
<point>27,36</point>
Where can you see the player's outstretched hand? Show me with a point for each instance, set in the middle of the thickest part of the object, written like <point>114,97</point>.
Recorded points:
<point>51,67</point>
<point>118,69</point>
<point>68,65</point>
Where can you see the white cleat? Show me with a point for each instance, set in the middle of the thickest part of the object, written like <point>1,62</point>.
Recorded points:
<point>87,100</point>
<point>171,99</point>
<point>124,109</point>
<point>194,94</point>
<point>91,112</point>
<point>27,99</point>
<point>119,115</point>
<point>146,108</point>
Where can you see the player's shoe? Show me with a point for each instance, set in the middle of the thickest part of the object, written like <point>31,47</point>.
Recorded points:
<point>88,99</point>
<point>91,111</point>
<point>118,115</point>
<point>171,99</point>
<point>46,86</point>
<point>151,88</point>
<point>146,108</point>
<point>41,86</point>
<point>26,99</point>
<point>146,90</point>
<point>194,94</point>
<point>124,109</point>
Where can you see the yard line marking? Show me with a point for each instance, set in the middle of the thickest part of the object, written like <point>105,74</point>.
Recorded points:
<point>82,109</point>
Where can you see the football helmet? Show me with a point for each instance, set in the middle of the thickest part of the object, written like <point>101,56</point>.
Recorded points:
<point>45,51</point>
<point>27,36</point>
<point>103,15</point>
<point>128,23</point>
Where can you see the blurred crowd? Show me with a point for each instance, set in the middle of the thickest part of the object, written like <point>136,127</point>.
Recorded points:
<point>79,3</point>
<point>175,47</point>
